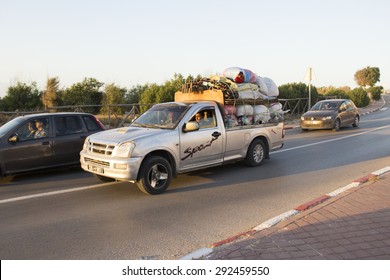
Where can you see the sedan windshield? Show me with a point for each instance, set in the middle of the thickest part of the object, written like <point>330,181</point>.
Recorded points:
<point>9,126</point>
<point>162,116</point>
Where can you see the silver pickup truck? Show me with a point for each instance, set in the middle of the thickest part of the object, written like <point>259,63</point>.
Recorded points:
<point>176,137</point>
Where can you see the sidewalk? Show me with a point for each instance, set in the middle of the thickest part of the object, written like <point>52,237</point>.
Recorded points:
<point>352,223</point>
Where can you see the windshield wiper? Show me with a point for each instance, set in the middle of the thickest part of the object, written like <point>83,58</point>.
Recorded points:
<point>146,125</point>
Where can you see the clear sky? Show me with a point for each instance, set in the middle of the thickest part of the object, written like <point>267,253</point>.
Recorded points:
<point>136,42</point>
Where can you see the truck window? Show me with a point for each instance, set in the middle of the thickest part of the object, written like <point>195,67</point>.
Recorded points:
<point>205,118</point>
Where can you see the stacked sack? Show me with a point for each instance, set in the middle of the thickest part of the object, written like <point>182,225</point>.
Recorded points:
<point>251,88</point>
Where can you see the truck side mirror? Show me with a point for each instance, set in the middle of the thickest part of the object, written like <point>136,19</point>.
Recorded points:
<point>190,126</point>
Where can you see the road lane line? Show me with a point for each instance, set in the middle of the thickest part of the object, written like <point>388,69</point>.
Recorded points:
<point>19,198</point>
<point>109,183</point>
<point>331,140</point>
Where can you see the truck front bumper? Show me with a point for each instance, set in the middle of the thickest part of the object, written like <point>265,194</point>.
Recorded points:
<point>123,169</point>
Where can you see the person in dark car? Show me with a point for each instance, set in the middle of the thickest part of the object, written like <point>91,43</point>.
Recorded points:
<point>31,130</point>
<point>41,131</point>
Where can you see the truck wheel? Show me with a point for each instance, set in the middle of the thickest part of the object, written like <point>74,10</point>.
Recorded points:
<point>155,175</point>
<point>104,178</point>
<point>256,153</point>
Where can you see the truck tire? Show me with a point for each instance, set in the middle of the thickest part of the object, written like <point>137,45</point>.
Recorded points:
<point>155,175</point>
<point>256,153</point>
<point>104,178</point>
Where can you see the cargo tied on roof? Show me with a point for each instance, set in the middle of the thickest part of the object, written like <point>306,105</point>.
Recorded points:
<point>254,98</point>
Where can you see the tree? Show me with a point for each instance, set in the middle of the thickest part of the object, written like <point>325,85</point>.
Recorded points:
<point>154,93</point>
<point>22,97</point>
<point>297,90</point>
<point>135,93</point>
<point>49,96</point>
<point>359,97</point>
<point>375,92</point>
<point>113,95</point>
<point>85,93</point>
<point>368,76</point>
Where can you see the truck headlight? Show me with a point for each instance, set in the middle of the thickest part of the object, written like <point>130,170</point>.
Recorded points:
<point>125,150</point>
<point>85,146</point>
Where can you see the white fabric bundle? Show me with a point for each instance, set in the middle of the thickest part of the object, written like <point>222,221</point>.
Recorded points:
<point>244,110</point>
<point>261,113</point>
<point>262,86</point>
<point>251,95</point>
<point>276,109</point>
<point>271,86</point>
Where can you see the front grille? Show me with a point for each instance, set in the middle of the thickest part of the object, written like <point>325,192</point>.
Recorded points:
<point>97,162</point>
<point>101,149</point>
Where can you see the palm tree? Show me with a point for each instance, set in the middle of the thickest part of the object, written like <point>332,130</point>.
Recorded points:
<point>49,96</point>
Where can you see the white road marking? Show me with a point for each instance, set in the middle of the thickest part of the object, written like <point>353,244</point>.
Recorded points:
<point>107,184</point>
<point>19,198</point>
<point>331,140</point>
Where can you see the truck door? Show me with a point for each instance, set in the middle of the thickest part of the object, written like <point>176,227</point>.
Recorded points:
<point>204,146</point>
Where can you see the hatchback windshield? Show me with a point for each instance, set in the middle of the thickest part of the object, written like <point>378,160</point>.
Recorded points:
<point>9,126</point>
<point>162,116</point>
<point>327,105</point>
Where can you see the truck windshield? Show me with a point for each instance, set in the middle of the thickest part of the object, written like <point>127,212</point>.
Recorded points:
<point>162,116</point>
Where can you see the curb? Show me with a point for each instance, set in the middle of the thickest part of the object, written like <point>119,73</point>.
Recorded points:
<point>203,252</point>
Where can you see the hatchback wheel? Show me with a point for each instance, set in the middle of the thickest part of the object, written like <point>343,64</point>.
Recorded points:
<point>336,125</point>
<point>356,121</point>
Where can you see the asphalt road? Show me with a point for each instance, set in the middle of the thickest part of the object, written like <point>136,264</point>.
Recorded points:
<point>69,214</point>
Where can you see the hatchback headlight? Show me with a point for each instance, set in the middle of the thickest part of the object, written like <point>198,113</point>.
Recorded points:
<point>125,150</point>
<point>327,118</point>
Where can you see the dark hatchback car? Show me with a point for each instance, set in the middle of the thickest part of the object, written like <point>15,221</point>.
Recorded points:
<point>45,140</point>
<point>331,114</point>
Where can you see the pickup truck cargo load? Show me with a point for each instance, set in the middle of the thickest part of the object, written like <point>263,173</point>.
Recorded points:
<point>196,131</point>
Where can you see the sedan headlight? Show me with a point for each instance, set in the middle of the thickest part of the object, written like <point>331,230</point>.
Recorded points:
<point>327,118</point>
<point>125,150</point>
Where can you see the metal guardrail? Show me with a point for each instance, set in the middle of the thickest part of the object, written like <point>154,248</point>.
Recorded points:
<point>111,118</point>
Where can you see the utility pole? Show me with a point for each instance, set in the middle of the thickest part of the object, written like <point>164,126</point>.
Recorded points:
<point>309,76</point>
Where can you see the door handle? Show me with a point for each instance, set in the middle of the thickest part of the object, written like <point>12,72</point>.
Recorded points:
<point>216,134</point>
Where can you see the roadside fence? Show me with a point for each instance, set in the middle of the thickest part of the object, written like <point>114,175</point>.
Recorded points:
<point>118,115</point>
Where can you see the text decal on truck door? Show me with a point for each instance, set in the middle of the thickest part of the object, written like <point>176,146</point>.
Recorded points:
<point>191,151</point>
